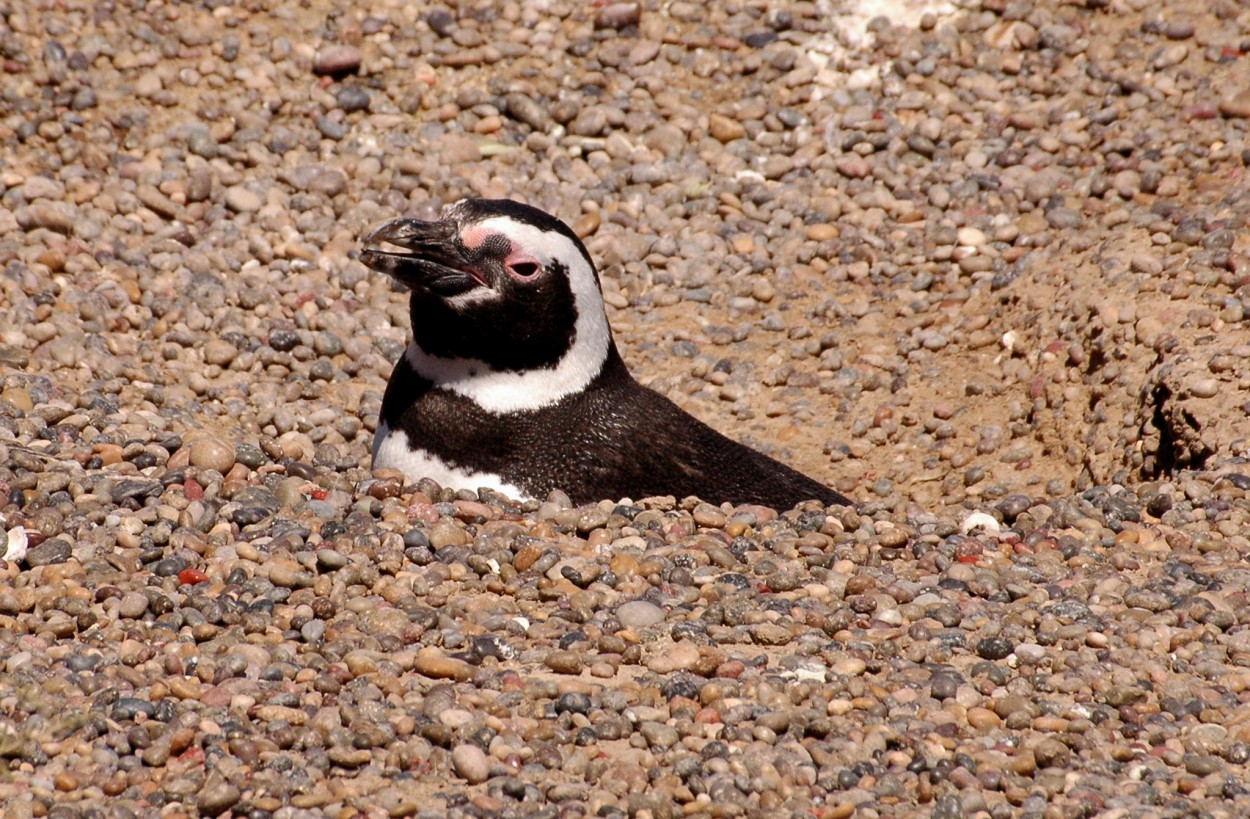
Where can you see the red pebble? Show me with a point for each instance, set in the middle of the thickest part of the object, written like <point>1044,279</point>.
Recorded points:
<point>423,512</point>
<point>192,489</point>
<point>189,577</point>
<point>708,716</point>
<point>194,754</point>
<point>318,493</point>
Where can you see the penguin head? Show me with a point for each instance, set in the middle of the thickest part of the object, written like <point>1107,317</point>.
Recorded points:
<point>498,288</point>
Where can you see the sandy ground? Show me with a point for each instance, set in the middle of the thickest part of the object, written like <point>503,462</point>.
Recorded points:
<point>992,259</point>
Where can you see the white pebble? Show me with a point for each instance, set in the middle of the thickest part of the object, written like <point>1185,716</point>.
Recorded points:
<point>980,520</point>
<point>15,544</point>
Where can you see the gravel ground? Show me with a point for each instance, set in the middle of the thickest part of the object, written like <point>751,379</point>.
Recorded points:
<point>988,273</point>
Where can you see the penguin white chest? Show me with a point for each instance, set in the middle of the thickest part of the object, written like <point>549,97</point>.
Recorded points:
<point>392,449</point>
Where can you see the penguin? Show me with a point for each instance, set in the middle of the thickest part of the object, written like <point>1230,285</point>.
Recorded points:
<point>512,380</point>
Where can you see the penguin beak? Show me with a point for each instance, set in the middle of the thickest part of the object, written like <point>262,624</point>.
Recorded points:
<point>434,260</point>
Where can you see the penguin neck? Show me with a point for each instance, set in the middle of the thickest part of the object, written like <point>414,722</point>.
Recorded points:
<point>613,370</point>
<point>592,356</point>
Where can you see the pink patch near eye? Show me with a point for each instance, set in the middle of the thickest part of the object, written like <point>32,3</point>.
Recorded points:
<point>474,237</point>
<point>521,264</point>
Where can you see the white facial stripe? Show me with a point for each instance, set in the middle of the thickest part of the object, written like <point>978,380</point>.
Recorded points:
<point>478,295</point>
<point>502,392</point>
<point>393,450</point>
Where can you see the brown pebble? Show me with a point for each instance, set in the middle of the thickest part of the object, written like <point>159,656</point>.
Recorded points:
<point>587,224</point>
<point>18,397</point>
<point>384,488</point>
<point>980,718</point>
<point>337,59</point>
<point>212,453</point>
<point>1051,753</point>
<point>219,352</point>
<point>618,15</point>
<point>525,557</point>
<point>822,232</point>
<point>109,454</point>
<point>445,533</point>
<point>725,129</point>
<point>1023,763</point>
<point>1236,106</point>
<point>433,663</point>
<point>565,662</point>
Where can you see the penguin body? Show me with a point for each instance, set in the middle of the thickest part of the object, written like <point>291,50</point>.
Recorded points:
<point>512,380</point>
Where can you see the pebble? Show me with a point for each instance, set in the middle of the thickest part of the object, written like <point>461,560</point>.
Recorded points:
<point>242,200</point>
<point>1236,106</point>
<point>724,128</point>
<point>213,453</point>
<point>19,398</point>
<point>339,59</point>
<point>1204,387</point>
<point>565,662</point>
<point>352,98</point>
<point>441,667</point>
<point>219,352</point>
<point>639,614</point>
<point>618,15</point>
<point>50,552</point>
<point>471,763</point>
<point>217,797</point>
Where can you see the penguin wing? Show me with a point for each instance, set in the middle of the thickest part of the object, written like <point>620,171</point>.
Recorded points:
<point>647,445</point>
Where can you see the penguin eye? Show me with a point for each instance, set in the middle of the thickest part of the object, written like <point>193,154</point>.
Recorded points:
<point>524,270</point>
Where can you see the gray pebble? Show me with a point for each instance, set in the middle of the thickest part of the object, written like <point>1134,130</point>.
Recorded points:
<point>352,98</point>
<point>639,614</point>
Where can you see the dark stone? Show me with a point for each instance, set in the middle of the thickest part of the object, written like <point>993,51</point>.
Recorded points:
<point>1012,506</point>
<point>943,685</point>
<point>249,515</point>
<point>681,685</point>
<point>1159,504</point>
<point>283,340</point>
<point>331,128</point>
<point>169,566</point>
<point>332,529</point>
<point>257,496</point>
<point>82,662</point>
<point>994,648</point>
<point>298,469</point>
<point>489,645</point>
<point>352,98</point>
<point>441,21</point>
<point>135,490</point>
<point>249,455</point>
<point>56,550</point>
<point>127,707</point>
<point>573,703</point>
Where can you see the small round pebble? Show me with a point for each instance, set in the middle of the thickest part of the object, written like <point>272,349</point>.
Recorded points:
<point>213,453</point>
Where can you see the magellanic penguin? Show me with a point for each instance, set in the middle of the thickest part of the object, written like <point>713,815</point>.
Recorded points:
<point>513,382</point>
